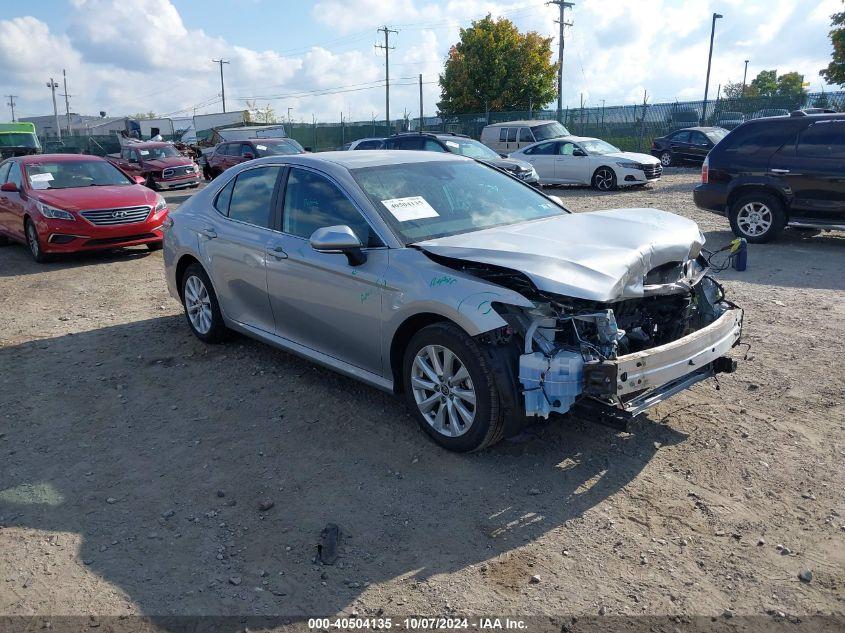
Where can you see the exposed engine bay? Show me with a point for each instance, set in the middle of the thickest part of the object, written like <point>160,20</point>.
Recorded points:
<point>630,353</point>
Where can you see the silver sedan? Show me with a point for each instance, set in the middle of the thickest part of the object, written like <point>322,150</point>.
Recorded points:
<point>481,299</point>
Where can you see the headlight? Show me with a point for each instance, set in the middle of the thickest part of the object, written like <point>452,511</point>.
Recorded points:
<point>627,164</point>
<point>161,203</point>
<point>52,212</point>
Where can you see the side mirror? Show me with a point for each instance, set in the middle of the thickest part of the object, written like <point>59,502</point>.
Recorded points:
<point>578,152</point>
<point>308,149</point>
<point>139,180</point>
<point>9,187</point>
<point>247,155</point>
<point>339,239</point>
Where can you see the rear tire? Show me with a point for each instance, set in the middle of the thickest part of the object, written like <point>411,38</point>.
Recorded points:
<point>666,159</point>
<point>201,308</point>
<point>758,217</point>
<point>451,390</point>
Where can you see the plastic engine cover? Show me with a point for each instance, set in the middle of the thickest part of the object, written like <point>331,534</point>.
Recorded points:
<point>551,383</point>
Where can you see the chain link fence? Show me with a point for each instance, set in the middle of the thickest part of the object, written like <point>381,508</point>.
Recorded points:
<point>629,127</point>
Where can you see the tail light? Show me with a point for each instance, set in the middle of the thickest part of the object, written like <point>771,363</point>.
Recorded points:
<point>705,171</point>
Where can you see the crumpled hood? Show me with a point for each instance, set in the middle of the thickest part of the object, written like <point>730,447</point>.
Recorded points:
<point>599,255</point>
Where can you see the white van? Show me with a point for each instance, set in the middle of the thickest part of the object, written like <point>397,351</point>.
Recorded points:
<point>508,137</point>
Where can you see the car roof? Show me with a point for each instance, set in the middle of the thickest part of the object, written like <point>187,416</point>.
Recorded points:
<point>366,158</point>
<point>35,159</point>
<point>525,122</point>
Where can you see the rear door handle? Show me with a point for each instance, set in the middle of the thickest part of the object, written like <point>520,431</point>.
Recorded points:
<point>277,252</point>
<point>779,171</point>
<point>209,233</point>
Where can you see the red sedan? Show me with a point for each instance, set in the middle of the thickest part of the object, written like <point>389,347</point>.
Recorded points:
<point>63,203</point>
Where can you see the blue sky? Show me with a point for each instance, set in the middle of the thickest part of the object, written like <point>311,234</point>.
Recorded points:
<point>126,56</point>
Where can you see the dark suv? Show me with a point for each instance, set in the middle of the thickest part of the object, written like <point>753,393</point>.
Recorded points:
<point>465,146</point>
<point>768,174</point>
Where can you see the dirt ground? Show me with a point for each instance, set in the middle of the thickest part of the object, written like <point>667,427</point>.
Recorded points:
<point>134,459</point>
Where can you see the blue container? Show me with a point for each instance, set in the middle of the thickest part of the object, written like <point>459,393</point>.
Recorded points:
<point>739,255</point>
<point>551,384</point>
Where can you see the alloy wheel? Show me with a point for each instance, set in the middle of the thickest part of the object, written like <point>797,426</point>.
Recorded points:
<point>666,159</point>
<point>198,304</point>
<point>604,179</point>
<point>754,219</point>
<point>32,239</point>
<point>443,390</point>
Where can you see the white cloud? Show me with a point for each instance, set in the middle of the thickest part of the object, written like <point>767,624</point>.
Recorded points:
<point>124,57</point>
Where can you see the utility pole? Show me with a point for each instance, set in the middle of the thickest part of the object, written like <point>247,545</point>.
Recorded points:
<point>52,85</point>
<point>562,5</point>
<point>222,87</point>
<point>67,103</point>
<point>387,48</point>
<point>716,16</point>
<point>744,75</point>
<point>421,105</point>
<point>289,109</point>
<point>11,104</point>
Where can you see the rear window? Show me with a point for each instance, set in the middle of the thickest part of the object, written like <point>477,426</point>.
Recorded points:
<point>753,139</point>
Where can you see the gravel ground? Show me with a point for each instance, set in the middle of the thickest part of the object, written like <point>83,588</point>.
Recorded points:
<point>134,462</point>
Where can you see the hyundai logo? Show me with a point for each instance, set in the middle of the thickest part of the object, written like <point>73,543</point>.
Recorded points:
<point>119,214</point>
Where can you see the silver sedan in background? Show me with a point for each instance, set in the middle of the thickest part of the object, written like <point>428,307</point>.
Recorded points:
<point>481,299</point>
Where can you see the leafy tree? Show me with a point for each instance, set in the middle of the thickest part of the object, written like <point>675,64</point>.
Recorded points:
<point>765,83</point>
<point>144,115</point>
<point>733,90</point>
<point>259,114</point>
<point>791,85</point>
<point>835,71</point>
<point>495,67</point>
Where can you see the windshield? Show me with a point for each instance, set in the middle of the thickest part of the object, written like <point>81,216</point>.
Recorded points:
<point>716,135</point>
<point>470,148</point>
<point>18,140</point>
<point>71,174</point>
<point>597,147</point>
<point>439,198</point>
<point>154,153</point>
<point>275,148</point>
<point>549,130</point>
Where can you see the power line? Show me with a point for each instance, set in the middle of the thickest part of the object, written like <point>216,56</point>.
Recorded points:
<point>387,48</point>
<point>222,87</point>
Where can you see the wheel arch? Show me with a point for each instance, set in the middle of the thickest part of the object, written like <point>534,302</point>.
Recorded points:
<point>181,266</point>
<point>402,336</point>
<point>749,188</point>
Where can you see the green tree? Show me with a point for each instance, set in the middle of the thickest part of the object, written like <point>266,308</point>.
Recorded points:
<point>765,83</point>
<point>835,71</point>
<point>791,85</point>
<point>733,90</point>
<point>144,115</point>
<point>495,67</point>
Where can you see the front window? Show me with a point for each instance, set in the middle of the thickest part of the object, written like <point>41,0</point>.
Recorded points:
<point>470,148</point>
<point>597,147</point>
<point>434,199</point>
<point>77,173</point>
<point>19,140</point>
<point>275,148</point>
<point>155,153</point>
<point>545,131</point>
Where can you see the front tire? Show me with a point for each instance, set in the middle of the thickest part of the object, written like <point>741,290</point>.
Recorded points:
<point>451,390</point>
<point>151,184</point>
<point>155,246</point>
<point>604,179</point>
<point>758,217</point>
<point>34,243</point>
<point>201,308</point>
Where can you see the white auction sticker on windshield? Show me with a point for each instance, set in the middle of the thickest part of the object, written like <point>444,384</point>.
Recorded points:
<point>452,144</point>
<point>411,208</point>
<point>262,147</point>
<point>41,177</point>
<point>144,152</point>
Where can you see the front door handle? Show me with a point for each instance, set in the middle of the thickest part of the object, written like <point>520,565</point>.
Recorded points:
<point>277,252</point>
<point>779,171</point>
<point>209,233</point>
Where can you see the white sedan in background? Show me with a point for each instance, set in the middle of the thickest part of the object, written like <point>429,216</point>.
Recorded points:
<point>580,160</point>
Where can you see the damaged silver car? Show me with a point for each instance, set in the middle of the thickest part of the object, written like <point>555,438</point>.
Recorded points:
<point>480,298</point>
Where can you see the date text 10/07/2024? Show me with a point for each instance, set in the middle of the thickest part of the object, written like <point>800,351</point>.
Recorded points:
<point>417,624</point>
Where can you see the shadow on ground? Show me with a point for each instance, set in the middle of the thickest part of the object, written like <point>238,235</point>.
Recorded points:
<point>129,445</point>
<point>17,261</point>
